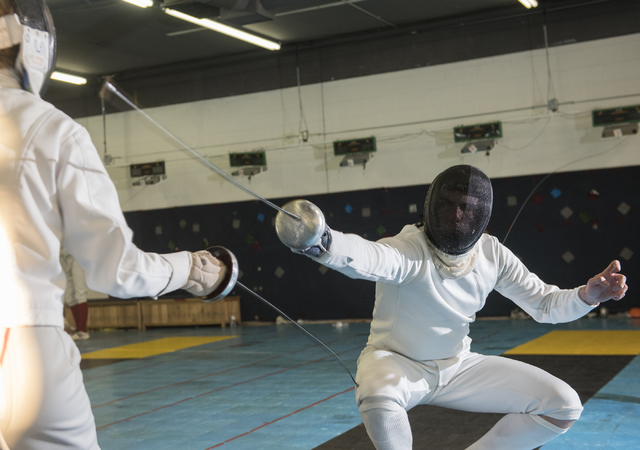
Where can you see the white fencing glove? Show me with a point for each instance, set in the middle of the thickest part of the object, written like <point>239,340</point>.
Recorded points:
<point>205,275</point>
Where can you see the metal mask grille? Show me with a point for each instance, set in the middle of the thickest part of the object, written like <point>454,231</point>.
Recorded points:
<point>457,209</point>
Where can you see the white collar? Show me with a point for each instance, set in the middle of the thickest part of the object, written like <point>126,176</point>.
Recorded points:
<point>450,266</point>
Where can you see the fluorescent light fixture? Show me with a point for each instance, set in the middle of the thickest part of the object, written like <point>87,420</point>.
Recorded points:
<point>141,3</point>
<point>68,78</point>
<point>224,29</point>
<point>529,3</point>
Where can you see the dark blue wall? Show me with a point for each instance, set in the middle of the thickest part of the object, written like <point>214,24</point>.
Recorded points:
<point>596,233</point>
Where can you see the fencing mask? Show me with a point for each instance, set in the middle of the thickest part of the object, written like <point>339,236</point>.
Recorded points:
<point>457,209</point>
<point>32,28</point>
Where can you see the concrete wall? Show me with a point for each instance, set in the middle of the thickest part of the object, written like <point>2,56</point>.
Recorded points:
<point>411,113</point>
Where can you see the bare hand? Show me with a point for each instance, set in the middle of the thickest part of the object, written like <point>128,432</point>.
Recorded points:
<point>605,286</point>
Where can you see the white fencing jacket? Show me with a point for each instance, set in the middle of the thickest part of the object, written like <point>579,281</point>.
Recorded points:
<point>55,189</point>
<point>424,316</point>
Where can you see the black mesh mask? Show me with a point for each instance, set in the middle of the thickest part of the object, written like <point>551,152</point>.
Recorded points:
<point>457,209</point>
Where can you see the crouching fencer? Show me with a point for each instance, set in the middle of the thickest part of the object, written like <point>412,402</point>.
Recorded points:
<point>431,280</point>
<point>59,193</point>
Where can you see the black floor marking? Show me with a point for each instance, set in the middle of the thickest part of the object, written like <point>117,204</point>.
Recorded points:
<point>618,398</point>
<point>91,363</point>
<point>448,429</point>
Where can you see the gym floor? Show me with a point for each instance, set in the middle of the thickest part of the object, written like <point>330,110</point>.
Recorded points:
<point>270,387</point>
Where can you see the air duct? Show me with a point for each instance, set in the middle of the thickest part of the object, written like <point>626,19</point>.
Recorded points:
<point>233,12</point>
<point>253,12</point>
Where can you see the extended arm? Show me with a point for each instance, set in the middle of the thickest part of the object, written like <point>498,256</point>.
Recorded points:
<point>96,233</point>
<point>390,260</point>
<point>544,302</point>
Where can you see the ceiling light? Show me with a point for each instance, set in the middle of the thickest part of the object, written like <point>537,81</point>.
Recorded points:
<point>229,31</point>
<point>141,3</point>
<point>68,78</point>
<point>529,3</point>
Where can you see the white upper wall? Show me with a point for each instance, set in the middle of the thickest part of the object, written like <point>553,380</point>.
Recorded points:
<point>411,113</point>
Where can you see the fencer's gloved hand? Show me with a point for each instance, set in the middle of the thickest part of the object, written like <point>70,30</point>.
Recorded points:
<point>319,249</point>
<point>205,275</point>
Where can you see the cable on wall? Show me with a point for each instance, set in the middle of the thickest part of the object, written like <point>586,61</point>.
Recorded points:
<point>324,136</point>
<point>552,101</point>
<point>302,134</point>
<point>532,141</point>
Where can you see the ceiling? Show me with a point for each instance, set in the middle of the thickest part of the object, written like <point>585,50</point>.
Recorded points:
<point>107,37</point>
<point>162,60</point>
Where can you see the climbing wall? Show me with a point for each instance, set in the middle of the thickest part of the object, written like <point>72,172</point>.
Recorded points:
<point>571,227</point>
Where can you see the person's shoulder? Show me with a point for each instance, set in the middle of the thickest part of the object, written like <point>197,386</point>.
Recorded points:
<point>57,114</point>
<point>489,244</point>
<point>494,250</point>
<point>29,105</point>
<point>411,234</point>
<point>488,239</point>
<point>53,120</point>
<point>414,231</point>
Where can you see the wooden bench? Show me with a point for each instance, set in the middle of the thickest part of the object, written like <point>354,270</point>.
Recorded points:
<point>141,314</point>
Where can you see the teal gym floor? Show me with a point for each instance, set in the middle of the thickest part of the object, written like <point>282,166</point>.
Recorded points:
<point>270,387</point>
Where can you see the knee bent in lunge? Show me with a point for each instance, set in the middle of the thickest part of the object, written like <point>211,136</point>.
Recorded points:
<point>565,406</point>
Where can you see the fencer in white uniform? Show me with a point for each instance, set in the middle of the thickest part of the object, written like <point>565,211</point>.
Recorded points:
<point>75,294</point>
<point>431,280</point>
<point>57,192</point>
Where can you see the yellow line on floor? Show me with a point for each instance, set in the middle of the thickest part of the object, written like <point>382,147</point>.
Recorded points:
<point>151,348</point>
<point>596,342</point>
